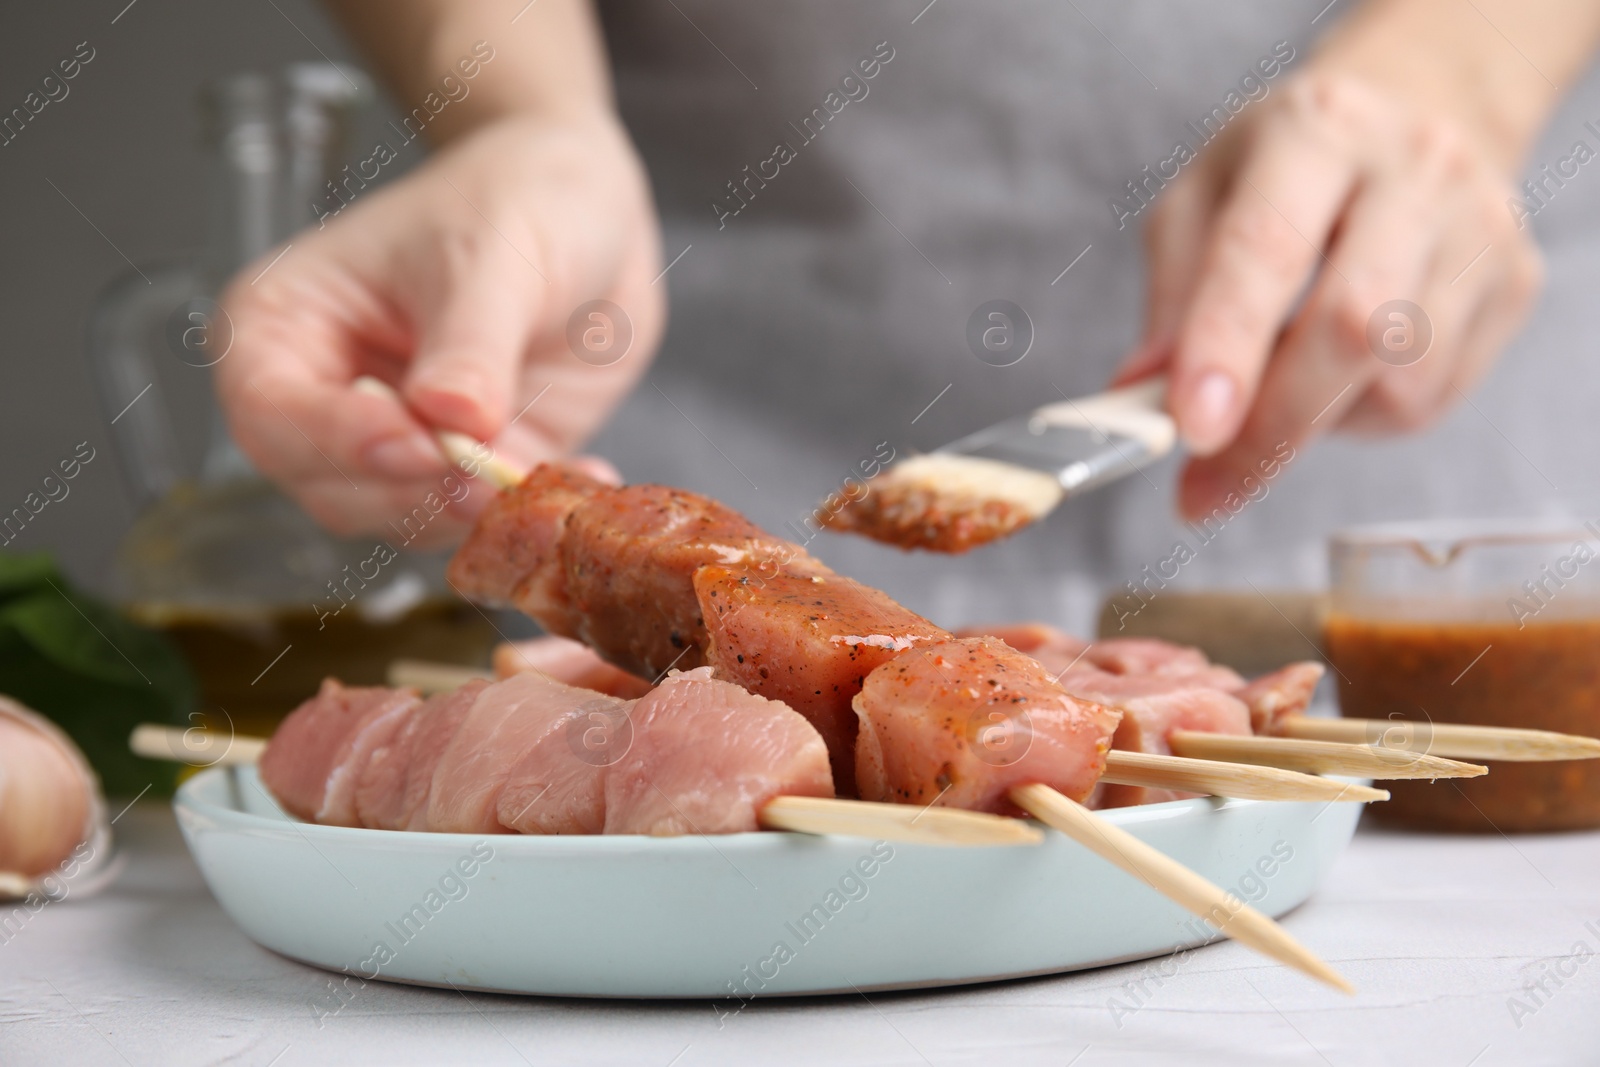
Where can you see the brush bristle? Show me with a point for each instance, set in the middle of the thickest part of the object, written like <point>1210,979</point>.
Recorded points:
<point>946,503</point>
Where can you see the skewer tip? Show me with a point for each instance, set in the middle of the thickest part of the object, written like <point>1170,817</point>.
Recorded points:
<point>474,456</point>
<point>1178,883</point>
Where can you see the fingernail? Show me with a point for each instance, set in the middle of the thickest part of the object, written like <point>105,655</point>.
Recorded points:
<point>1208,416</point>
<point>404,457</point>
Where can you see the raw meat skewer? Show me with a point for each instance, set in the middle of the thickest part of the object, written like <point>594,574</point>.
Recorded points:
<point>759,610</point>
<point>571,662</point>
<point>1079,737</point>
<point>1274,701</point>
<point>1128,777</point>
<point>1025,712</point>
<point>1175,700</point>
<point>658,783</point>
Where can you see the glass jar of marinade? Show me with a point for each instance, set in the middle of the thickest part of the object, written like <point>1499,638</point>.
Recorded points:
<point>1493,623</point>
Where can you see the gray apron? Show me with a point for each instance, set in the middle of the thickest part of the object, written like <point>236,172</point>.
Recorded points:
<point>821,300</point>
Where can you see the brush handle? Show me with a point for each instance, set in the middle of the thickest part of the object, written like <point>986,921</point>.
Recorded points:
<point>1138,411</point>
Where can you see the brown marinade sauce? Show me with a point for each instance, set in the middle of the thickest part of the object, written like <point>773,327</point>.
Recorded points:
<point>914,517</point>
<point>1543,675</point>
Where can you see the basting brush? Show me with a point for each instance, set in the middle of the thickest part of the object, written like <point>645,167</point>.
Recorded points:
<point>991,483</point>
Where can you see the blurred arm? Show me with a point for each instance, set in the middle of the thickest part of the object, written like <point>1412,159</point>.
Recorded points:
<point>549,62</point>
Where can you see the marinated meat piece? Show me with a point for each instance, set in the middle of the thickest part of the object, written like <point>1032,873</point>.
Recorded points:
<point>1159,705</point>
<point>428,745</point>
<point>1152,707</point>
<point>630,557</point>
<point>1286,691</point>
<point>962,722</point>
<point>558,786</point>
<point>508,721</point>
<point>1130,737</point>
<point>696,755</point>
<point>809,642</point>
<point>1145,655</point>
<point>1030,637</point>
<point>1118,655</point>
<point>944,502</point>
<point>317,737</point>
<point>910,516</point>
<point>706,756</point>
<point>567,661</point>
<point>377,730</point>
<point>511,555</point>
<point>393,787</point>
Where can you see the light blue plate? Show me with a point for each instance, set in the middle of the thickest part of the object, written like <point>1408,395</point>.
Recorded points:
<point>757,914</point>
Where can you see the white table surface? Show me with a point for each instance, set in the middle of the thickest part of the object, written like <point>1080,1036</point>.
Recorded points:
<point>1439,933</point>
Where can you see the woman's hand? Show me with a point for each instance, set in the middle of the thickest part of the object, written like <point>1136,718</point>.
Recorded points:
<point>1376,175</point>
<point>456,285</point>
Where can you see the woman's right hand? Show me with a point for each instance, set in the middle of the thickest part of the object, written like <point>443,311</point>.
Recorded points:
<point>457,285</point>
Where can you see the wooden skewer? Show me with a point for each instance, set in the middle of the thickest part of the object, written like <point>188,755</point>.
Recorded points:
<point>806,815</point>
<point>928,825</point>
<point>1228,779</point>
<point>465,452</point>
<point>1175,881</point>
<point>429,678</point>
<point>201,748</point>
<point>1319,757</point>
<point>458,447</point>
<point>1453,740</point>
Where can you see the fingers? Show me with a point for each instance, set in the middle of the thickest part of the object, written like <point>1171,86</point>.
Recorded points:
<point>1409,387</point>
<point>417,514</point>
<point>1393,322</point>
<point>286,387</point>
<point>454,291</point>
<point>1175,244</point>
<point>1324,362</point>
<point>306,336</point>
<point>1478,297</point>
<point>469,352</point>
<point>1265,245</point>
